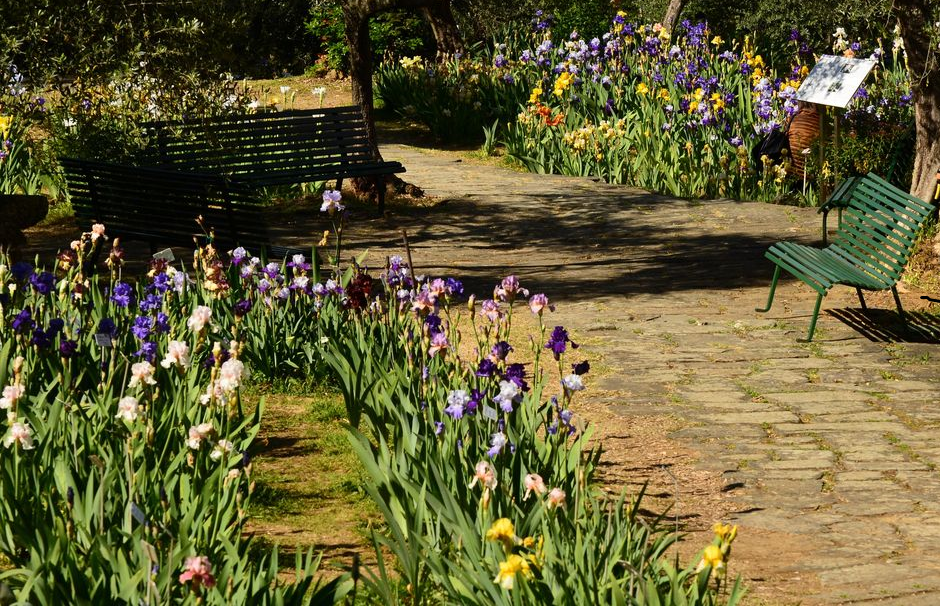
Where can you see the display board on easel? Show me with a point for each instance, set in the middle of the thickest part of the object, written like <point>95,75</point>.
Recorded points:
<point>832,83</point>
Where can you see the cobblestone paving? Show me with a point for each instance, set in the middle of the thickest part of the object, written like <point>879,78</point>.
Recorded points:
<point>832,445</point>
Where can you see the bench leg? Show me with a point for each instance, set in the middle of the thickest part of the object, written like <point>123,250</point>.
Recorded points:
<point>773,289</point>
<point>812,323</point>
<point>339,184</point>
<point>897,301</point>
<point>861,298</point>
<point>825,229</point>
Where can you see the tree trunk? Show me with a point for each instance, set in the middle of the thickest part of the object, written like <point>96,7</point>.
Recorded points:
<point>916,18</point>
<point>444,26</point>
<point>360,70</point>
<point>356,15</point>
<point>673,11</point>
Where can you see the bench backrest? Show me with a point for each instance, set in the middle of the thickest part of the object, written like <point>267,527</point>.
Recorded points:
<point>162,206</point>
<point>879,227</point>
<point>267,142</point>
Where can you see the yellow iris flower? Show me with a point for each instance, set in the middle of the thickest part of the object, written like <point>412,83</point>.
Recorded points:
<point>5,123</point>
<point>642,88</point>
<point>514,564</point>
<point>562,83</point>
<point>535,96</point>
<point>503,531</point>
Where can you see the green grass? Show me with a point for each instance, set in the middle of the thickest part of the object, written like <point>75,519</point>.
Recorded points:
<point>308,481</point>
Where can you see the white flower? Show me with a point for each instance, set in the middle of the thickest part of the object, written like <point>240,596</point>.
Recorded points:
<point>285,90</point>
<point>840,33</point>
<point>128,409</point>
<point>331,202</point>
<point>301,282</point>
<point>556,498</point>
<point>533,482</point>
<point>222,447</point>
<point>231,375</point>
<point>199,318</point>
<point>21,434</point>
<point>11,393</point>
<point>573,382</point>
<point>485,474</point>
<point>253,104</point>
<point>507,393</point>
<point>97,231</point>
<point>177,353</point>
<point>197,434</point>
<point>69,123</point>
<point>319,91</point>
<point>458,397</point>
<point>142,373</point>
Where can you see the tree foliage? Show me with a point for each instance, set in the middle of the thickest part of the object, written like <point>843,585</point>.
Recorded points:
<point>88,38</point>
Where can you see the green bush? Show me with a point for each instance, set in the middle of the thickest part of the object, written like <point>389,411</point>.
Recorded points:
<point>398,33</point>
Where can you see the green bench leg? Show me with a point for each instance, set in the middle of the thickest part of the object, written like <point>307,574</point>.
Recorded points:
<point>773,289</point>
<point>897,301</point>
<point>861,298</point>
<point>812,324</point>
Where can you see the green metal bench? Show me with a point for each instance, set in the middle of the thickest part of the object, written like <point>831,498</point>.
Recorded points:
<point>876,235</point>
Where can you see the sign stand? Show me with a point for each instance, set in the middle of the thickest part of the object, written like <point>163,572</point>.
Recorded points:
<point>832,83</point>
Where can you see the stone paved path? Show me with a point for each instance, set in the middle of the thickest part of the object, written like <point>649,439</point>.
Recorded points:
<point>831,447</point>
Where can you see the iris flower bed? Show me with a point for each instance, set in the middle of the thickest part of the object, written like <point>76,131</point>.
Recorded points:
<point>672,112</point>
<point>126,446</point>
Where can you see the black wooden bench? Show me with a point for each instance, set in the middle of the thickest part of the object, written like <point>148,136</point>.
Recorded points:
<point>272,148</point>
<point>161,206</point>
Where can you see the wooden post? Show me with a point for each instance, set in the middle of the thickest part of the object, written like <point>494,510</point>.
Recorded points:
<point>823,184</point>
<point>835,146</point>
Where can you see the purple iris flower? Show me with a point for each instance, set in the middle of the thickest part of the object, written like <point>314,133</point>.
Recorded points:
<point>68,348</point>
<point>475,398</point>
<point>162,323</point>
<point>41,339</point>
<point>558,342</point>
<point>433,322</point>
<point>150,302</point>
<point>516,373</point>
<point>486,368</point>
<point>143,325</point>
<point>23,321</point>
<point>453,287</point>
<point>501,350</point>
<point>161,283</point>
<point>500,61</point>
<point>122,295</point>
<point>242,308</point>
<point>148,351</point>
<point>581,368</point>
<point>55,326</point>
<point>42,282</point>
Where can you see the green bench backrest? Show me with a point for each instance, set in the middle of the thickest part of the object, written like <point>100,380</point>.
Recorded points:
<point>879,228</point>
<point>263,142</point>
<point>160,206</point>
